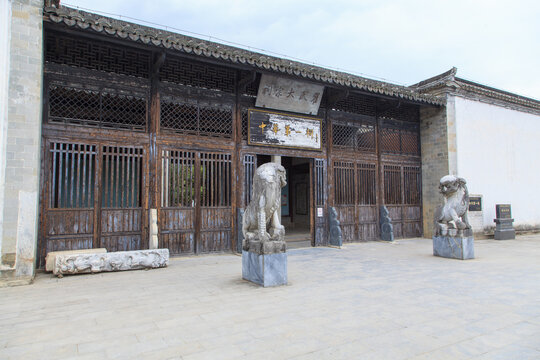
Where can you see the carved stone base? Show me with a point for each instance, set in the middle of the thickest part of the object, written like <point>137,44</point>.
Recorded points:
<point>113,261</point>
<point>454,247</point>
<point>264,247</point>
<point>265,270</point>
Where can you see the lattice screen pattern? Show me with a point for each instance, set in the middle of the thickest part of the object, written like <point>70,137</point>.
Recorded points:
<point>194,118</point>
<point>180,71</point>
<point>72,175</point>
<point>96,55</point>
<point>104,108</point>
<point>354,136</point>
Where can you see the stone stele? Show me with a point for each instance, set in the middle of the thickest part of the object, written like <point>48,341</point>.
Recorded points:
<point>112,261</point>
<point>453,234</point>
<point>264,258</point>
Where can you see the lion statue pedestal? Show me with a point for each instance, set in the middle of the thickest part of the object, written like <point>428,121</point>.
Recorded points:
<point>453,235</point>
<point>264,257</point>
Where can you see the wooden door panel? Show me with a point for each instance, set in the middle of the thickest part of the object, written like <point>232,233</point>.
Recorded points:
<point>214,241</point>
<point>412,213</point>
<point>196,196</point>
<point>367,232</point>
<point>346,217</point>
<point>121,242</point>
<point>121,229</point>
<point>70,242</point>
<point>70,222</point>
<point>177,231</point>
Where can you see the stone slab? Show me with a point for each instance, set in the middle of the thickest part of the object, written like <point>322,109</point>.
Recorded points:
<point>51,257</point>
<point>454,247</point>
<point>265,270</point>
<point>113,261</point>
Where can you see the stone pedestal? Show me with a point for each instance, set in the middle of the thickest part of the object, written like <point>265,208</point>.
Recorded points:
<point>454,247</point>
<point>265,269</point>
<point>504,229</point>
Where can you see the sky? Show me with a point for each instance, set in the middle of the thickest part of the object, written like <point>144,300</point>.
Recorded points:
<point>495,43</point>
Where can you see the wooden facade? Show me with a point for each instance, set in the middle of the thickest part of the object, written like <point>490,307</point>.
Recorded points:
<point>130,127</point>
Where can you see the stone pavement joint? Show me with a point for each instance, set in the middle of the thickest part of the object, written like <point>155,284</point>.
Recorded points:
<point>371,300</point>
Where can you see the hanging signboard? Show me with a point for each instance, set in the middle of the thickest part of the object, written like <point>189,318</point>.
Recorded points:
<point>289,95</point>
<point>276,129</point>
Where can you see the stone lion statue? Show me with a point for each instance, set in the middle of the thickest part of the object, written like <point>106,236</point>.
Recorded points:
<point>453,214</point>
<point>261,221</point>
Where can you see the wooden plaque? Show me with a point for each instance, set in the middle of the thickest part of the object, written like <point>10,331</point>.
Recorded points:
<point>283,130</point>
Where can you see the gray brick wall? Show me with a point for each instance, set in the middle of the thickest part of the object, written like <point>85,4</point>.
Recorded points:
<point>22,149</point>
<point>435,161</point>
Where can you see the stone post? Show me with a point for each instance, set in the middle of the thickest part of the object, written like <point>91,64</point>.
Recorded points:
<point>153,242</point>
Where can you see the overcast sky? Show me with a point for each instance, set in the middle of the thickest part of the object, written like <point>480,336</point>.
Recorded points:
<point>496,43</point>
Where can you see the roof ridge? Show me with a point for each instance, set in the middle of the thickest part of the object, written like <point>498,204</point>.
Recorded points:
<point>188,44</point>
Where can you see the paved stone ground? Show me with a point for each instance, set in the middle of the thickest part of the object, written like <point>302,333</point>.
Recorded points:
<point>366,301</point>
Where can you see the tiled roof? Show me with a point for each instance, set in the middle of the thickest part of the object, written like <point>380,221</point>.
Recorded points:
<point>190,45</point>
<point>448,81</point>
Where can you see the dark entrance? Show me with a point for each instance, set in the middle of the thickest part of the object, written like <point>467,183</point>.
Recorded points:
<point>296,202</point>
<point>296,196</point>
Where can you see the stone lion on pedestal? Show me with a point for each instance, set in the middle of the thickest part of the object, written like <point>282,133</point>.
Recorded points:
<point>261,222</point>
<point>453,214</point>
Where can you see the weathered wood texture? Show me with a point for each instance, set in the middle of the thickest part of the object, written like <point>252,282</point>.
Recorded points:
<point>127,129</point>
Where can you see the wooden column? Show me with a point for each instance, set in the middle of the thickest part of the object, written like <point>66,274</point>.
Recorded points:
<point>380,167</point>
<point>153,151</point>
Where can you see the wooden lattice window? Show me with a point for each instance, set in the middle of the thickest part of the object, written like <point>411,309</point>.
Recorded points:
<point>178,178</point>
<point>354,136</point>
<point>403,112</point>
<point>245,121</point>
<point>367,186</point>
<point>196,118</point>
<point>400,138</point>
<point>392,184</point>
<point>357,104</point>
<point>185,72</point>
<point>96,55</point>
<point>104,108</point>
<point>344,183</point>
<point>122,174</point>
<point>412,185</point>
<point>73,168</point>
<point>215,179</point>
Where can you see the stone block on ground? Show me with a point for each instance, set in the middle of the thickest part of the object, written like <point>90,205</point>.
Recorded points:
<point>51,257</point>
<point>504,229</point>
<point>265,269</point>
<point>454,247</point>
<point>113,261</point>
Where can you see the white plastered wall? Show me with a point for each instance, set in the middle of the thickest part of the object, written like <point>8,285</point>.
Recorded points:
<point>5,37</point>
<point>498,153</point>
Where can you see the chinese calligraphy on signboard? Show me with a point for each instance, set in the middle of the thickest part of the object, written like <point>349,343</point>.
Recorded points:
<point>289,95</point>
<point>275,129</point>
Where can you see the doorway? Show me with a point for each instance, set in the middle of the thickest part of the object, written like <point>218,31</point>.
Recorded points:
<point>295,196</point>
<point>295,202</point>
